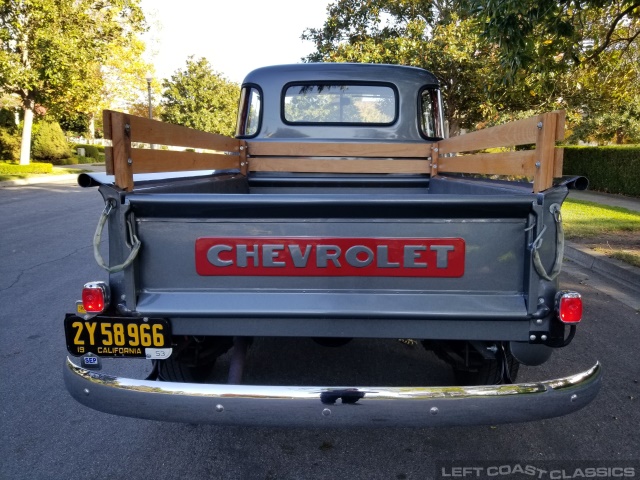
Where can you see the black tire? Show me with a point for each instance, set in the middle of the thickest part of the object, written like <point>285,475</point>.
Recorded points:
<point>470,368</point>
<point>193,359</point>
<point>172,370</point>
<point>332,342</point>
<point>504,369</point>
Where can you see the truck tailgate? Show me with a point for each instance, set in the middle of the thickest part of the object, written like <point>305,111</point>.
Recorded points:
<point>253,238</point>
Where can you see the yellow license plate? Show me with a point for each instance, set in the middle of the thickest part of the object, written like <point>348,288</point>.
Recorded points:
<point>116,336</point>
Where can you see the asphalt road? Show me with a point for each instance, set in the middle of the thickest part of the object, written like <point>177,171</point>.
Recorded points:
<point>46,257</point>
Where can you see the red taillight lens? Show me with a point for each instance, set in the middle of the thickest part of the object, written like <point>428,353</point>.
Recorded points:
<point>570,307</point>
<point>95,297</point>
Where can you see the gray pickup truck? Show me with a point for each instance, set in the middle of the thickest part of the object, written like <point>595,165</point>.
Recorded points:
<point>338,211</point>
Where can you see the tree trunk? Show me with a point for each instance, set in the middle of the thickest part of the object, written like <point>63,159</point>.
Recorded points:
<point>454,126</point>
<point>92,128</point>
<point>25,149</point>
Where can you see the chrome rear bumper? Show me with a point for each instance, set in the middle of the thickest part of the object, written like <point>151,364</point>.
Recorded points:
<point>331,406</point>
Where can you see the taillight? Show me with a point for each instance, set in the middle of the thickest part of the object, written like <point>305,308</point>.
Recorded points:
<point>95,297</point>
<point>569,307</point>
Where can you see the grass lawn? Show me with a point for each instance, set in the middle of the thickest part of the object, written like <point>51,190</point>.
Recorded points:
<point>4,176</point>
<point>613,231</point>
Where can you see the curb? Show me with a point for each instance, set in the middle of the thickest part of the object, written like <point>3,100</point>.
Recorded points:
<point>86,167</point>
<point>616,270</point>
<point>38,180</point>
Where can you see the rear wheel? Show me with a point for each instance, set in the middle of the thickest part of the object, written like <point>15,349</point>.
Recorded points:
<point>489,372</point>
<point>193,359</point>
<point>470,367</point>
<point>331,341</point>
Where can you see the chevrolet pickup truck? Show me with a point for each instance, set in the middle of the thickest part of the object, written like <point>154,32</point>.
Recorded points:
<point>340,210</point>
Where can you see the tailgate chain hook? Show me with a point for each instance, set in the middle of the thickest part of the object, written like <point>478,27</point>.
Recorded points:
<point>133,240</point>
<point>537,243</point>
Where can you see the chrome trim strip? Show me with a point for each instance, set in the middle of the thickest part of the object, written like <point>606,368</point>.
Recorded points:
<point>331,406</point>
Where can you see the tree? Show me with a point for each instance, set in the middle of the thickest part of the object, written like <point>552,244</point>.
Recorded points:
<point>583,58</point>
<point>536,33</point>
<point>124,76</point>
<point>51,52</point>
<point>200,98</point>
<point>423,33</point>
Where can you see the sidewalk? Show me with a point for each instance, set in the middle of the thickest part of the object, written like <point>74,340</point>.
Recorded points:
<point>630,203</point>
<point>625,275</point>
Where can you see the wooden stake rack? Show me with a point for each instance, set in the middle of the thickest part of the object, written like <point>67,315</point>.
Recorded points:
<point>225,153</point>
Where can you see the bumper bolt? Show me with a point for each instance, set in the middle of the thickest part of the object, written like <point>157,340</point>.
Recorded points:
<point>326,412</point>
<point>434,410</point>
<point>219,408</point>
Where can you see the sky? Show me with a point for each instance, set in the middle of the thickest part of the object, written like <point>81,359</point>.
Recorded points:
<point>236,36</point>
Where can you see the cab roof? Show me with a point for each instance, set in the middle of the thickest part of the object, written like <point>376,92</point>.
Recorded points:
<point>281,74</point>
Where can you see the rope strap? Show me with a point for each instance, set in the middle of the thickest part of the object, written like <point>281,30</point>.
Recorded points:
<point>537,243</point>
<point>133,240</point>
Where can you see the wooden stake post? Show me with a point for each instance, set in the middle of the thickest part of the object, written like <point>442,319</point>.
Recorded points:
<point>543,163</point>
<point>122,160</point>
<point>446,156</point>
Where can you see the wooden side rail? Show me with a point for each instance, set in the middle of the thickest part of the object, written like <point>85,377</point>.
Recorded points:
<point>339,157</point>
<point>543,164</point>
<point>122,160</point>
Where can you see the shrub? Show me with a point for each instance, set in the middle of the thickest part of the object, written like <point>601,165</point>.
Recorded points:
<point>50,144</point>
<point>90,151</point>
<point>84,160</point>
<point>10,169</point>
<point>612,169</point>
<point>7,118</point>
<point>10,143</point>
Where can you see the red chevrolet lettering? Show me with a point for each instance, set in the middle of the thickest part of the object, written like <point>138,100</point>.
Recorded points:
<point>337,257</point>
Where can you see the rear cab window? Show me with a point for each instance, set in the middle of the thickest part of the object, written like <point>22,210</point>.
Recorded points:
<point>339,104</point>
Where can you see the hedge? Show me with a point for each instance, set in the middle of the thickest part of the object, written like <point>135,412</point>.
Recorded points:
<point>90,151</point>
<point>10,169</point>
<point>612,169</point>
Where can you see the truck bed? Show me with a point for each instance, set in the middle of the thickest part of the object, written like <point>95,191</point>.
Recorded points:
<point>495,284</point>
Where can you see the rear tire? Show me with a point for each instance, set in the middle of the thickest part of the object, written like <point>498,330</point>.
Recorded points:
<point>172,370</point>
<point>489,372</point>
<point>471,368</point>
<point>193,359</point>
<point>332,342</point>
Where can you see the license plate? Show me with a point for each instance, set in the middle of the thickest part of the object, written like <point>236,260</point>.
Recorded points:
<point>117,337</point>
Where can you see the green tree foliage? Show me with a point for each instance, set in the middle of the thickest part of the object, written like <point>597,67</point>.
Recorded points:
<point>74,123</point>
<point>49,143</point>
<point>534,34</point>
<point>581,56</point>
<point>498,61</point>
<point>423,33</point>
<point>51,52</point>
<point>200,98</point>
